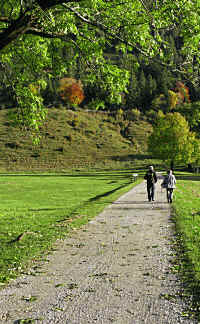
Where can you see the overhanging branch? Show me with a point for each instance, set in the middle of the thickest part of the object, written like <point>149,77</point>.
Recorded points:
<point>16,28</point>
<point>135,49</point>
<point>44,34</point>
<point>25,21</point>
<point>103,28</point>
<point>47,4</point>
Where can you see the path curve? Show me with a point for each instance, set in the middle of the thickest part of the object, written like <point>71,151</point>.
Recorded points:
<point>116,269</point>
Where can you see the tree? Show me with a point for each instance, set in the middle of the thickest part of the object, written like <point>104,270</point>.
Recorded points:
<point>142,86</point>
<point>150,90</point>
<point>172,140</point>
<point>35,33</point>
<point>191,112</point>
<point>133,91</point>
<point>71,91</point>
<point>183,92</point>
<point>173,99</point>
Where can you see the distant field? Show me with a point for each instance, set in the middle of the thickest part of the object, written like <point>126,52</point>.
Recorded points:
<point>36,210</point>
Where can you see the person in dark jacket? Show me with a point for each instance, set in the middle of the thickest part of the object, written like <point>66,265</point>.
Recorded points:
<point>151,178</point>
<point>169,183</point>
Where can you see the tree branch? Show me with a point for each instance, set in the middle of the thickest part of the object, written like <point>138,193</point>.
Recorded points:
<point>17,27</point>
<point>135,49</point>
<point>41,33</point>
<point>22,24</point>
<point>47,4</point>
<point>100,26</point>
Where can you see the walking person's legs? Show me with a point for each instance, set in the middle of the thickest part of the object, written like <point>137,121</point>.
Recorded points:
<point>149,192</point>
<point>171,194</point>
<point>167,191</point>
<point>152,191</point>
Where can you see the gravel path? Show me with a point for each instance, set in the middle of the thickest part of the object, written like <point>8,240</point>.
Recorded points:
<point>116,269</point>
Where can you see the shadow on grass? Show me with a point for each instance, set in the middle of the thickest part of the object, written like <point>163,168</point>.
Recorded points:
<point>85,203</point>
<point>105,194</point>
<point>46,209</point>
<point>95,200</point>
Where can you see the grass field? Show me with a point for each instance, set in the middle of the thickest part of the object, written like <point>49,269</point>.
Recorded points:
<point>36,210</point>
<point>187,221</point>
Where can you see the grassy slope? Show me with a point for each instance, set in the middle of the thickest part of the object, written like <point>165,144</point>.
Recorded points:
<point>73,140</point>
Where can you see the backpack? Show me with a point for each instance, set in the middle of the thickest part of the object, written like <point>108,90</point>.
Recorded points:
<point>164,184</point>
<point>150,177</point>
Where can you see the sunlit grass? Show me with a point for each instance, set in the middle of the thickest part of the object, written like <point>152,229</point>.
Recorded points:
<point>187,221</point>
<point>187,206</point>
<point>44,208</point>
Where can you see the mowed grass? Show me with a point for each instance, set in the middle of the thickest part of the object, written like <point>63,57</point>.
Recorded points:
<point>187,220</point>
<point>35,210</point>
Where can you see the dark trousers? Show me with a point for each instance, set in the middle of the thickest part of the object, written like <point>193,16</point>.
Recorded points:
<point>151,191</point>
<point>170,194</point>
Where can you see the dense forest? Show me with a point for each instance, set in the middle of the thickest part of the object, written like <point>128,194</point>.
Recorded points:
<point>139,57</point>
<point>151,88</point>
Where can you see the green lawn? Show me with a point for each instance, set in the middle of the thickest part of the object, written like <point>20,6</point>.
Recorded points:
<point>187,220</point>
<point>43,208</point>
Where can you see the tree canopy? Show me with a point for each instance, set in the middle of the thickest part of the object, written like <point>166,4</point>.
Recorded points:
<point>42,39</point>
<point>172,140</point>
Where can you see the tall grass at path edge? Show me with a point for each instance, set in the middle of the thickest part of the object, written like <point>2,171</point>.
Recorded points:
<point>186,215</point>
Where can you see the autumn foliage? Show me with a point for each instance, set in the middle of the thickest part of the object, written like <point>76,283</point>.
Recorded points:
<point>173,99</point>
<point>71,90</point>
<point>182,91</point>
<point>180,95</point>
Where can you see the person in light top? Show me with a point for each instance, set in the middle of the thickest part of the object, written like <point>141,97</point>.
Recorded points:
<point>169,183</point>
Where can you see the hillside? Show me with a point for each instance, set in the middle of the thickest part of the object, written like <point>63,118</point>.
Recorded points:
<point>74,139</point>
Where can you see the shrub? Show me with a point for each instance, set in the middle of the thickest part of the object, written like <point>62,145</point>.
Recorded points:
<point>133,114</point>
<point>160,114</point>
<point>151,115</point>
<point>76,121</point>
<point>71,90</point>
<point>119,114</point>
<point>96,104</point>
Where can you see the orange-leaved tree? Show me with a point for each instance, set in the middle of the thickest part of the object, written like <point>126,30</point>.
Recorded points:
<point>183,92</point>
<point>71,90</point>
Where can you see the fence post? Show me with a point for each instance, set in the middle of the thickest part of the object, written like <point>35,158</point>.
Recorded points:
<point>134,177</point>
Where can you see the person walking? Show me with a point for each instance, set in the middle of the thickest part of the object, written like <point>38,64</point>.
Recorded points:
<point>169,183</point>
<point>151,178</point>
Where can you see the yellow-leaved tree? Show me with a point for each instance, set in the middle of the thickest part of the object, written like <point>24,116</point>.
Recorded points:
<point>172,141</point>
<point>173,99</point>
